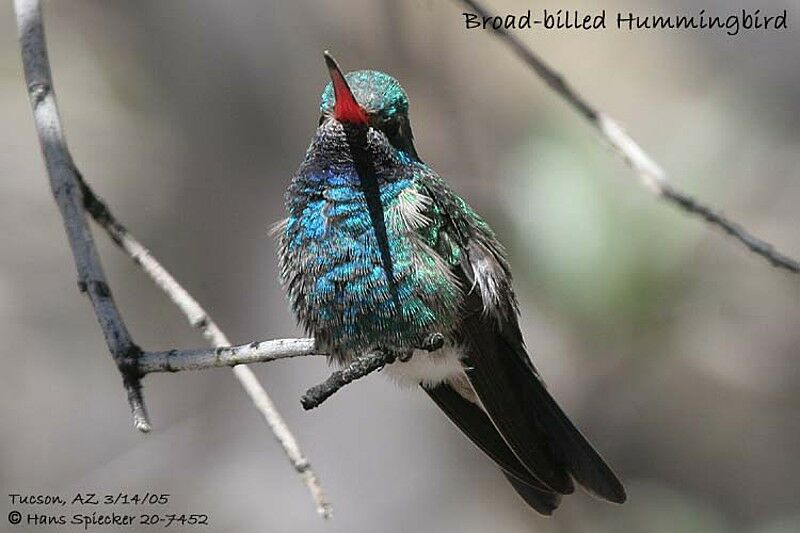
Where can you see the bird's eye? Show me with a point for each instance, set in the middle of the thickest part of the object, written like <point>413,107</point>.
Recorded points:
<point>390,126</point>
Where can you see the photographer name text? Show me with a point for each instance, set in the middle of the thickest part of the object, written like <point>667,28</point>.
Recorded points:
<point>90,511</point>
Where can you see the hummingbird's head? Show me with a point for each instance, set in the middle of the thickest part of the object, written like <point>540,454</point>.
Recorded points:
<point>368,98</point>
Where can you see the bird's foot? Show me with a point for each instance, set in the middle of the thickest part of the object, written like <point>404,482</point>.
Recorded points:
<point>390,355</point>
<point>431,343</point>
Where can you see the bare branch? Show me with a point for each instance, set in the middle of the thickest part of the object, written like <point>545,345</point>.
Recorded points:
<point>265,352</point>
<point>67,193</point>
<point>361,366</point>
<point>243,354</point>
<point>72,195</point>
<point>648,170</point>
<point>223,353</point>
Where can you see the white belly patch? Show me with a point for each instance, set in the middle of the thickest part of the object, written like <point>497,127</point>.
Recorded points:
<point>428,368</point>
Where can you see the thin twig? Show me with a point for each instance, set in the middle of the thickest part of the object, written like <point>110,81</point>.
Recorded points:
<point>651,174</point>
<point>223,353</point>
<point>243,354</point>
<point>361,366</point>
<point>67,193</point>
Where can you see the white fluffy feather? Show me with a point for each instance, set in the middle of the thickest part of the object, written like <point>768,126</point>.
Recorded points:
<point>427,368</point>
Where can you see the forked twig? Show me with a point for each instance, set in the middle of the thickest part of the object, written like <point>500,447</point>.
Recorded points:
<point>73,195</point>
<point>67,194</point>
<point>200,319</point>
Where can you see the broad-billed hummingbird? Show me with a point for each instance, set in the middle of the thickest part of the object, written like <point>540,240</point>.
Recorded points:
<point>379,254</point>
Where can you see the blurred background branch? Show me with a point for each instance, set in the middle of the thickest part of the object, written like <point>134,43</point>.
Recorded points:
<point>651,174</point>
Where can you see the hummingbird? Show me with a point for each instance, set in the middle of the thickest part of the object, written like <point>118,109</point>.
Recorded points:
<point>379,254</point>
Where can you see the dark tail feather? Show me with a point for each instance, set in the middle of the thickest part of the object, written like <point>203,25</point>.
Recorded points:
<point>543,502</point>
<point>474,423</point>
<point>584,463</point>
<point>506,382</point>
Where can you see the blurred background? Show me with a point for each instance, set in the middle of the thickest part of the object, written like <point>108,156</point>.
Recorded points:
<point>675,350</point>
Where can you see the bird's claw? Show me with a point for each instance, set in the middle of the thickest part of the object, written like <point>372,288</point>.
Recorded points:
<point>431,343</point>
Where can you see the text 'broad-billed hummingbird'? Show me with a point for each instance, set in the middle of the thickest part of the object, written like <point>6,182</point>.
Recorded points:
<point>379,254</point>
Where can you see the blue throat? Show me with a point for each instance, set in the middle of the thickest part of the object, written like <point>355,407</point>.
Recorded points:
<point>365,168</point>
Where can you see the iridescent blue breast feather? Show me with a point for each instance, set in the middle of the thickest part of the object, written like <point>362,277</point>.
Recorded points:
<point>331,262</point>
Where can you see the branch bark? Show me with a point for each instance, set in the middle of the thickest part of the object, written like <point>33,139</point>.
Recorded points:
<point>243,354</point>
<point>66,191</point>
<point>648,171</point>
<point>73,195</point>
<point>360,367</point>
<point>265,352</point>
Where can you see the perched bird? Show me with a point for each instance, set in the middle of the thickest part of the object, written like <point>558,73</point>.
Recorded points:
<point>378,253</point>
